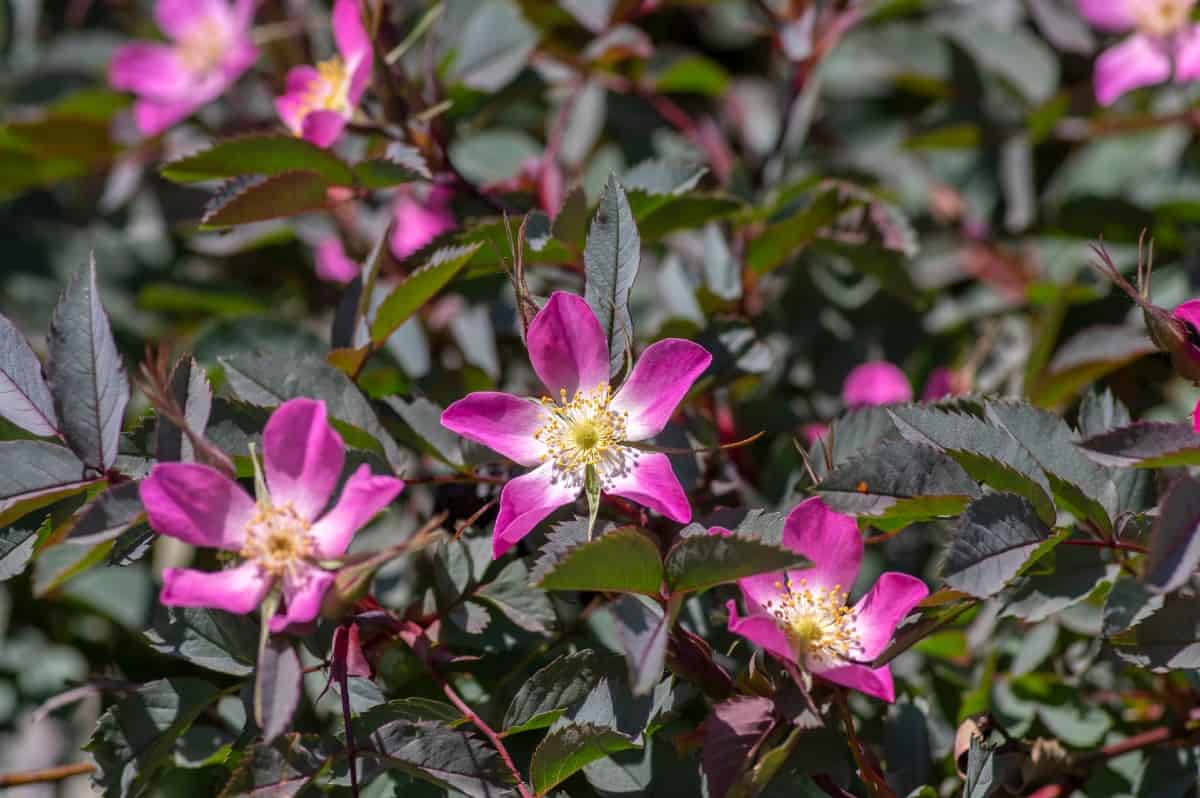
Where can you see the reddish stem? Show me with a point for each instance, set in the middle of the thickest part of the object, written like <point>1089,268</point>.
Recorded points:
<point>489,733</point>
<point>1107,544</point>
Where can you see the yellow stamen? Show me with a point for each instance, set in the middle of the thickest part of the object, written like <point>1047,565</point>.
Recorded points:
<point>585,431</point>
<point>278,540</point>
<point>1162,17</point>
<point>817,621</point>
<point>204,46</point>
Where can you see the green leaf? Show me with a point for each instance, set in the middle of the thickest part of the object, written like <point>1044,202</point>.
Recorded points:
<point>1079,571</point>
<point>257,154</point>
<point>446,756</point>
<point>1167,640</point>
<point>25,398</point>
<point>703,561</point>
<point>777,244</point>
<point>34,474</point>
<point>510,594</point>
<point>562,684</point>
<point>686,211</point>
<point>1082,487</point>
<point>692,74</point>
<point>901,481</point>
<point>625,560</point>
<point>1086,358</point>
<point>643,629</point>
<point>610,259</point>
<point>997,536</point>
<point>109,514</point>
<point>496,42</point>
<point>418,288</point>
<point>1128,604</point>
<point>567,749</point>
<point>989,454</point>
<point>87,376</point>
<point>1175,545</point>
<point>1146,444</point>
<point>212,639</point>
<point>258,199</point>
<point>134,738</point>
<point>374,174</point>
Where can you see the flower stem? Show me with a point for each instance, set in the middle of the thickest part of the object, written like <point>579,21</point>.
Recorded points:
<point>489,733</point>
<point>58,773</point>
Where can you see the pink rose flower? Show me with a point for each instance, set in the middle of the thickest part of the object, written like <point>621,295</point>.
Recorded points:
<point>944,382</point>
<point>802,617</point>
<point>417,223</point>
<point>1189,313</point>
<point>282,537</point>
<point>1165,40</point>
<point>320,100</point>
<point>333,265</point>
<point>876,383</point>
<point>210,48</point>
<point>585,425</point>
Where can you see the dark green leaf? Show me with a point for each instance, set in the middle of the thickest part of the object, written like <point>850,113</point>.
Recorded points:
<point>1128,604</point>
<point>257,154</point>
<point>563,683</point>
<point>1078,572</point>
<point>109,514</point>
<point>380,173</point>
<point>212,639</point>
<point>86,373</point>
<point>567,749</point>
<point>25,398</point>
<point>611,258</point>
<point>776,245</point>
<point>997,536</point>
<point>418,288</point>
<point>134,738</point>
<point>625,560</point>
<point>1146,444</point>
<point>33,474</point>
<point>1175,545</point>
<point>191,389</point>
<point>1087,357</point>
<point>643,629</point>
<point>704,561</point>
<point>511,594</point>
<point>258,199</point>
<point>495,44</point>
<point>1169,639</point>
<point>899,480</point>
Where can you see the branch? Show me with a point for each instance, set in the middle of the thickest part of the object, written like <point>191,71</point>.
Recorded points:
<point>58,773</point>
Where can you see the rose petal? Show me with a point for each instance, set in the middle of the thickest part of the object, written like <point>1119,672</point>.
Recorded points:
<point>349,32</point>
<point>292,105</point>
<point>763,631</point>
<point>567,347</point>
<point>179,18</point>
<point>1138,61</point>
<point>196,504</point>
<point>417,224</point>
<point>1109,15</point>
<point>649,480</point>
<point>363,496</point>
<point>879,612</point>
<point>238,590</point>
<point>153,117</point>
<point>502,422</point>
<point>660,379</point>
<point>876,682</point>
<point>757,590</point>
<point>940,384</point>
<point>302,456</point>
<point>525,501</point>
<point>332,263</point>
<point>322,127</point>
<point>831,540</point>
<point>876,383</point>
<point>302,597</point>
<point>151,70</point>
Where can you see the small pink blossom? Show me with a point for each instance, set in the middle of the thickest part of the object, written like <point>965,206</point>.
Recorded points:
<point>585,425</point>
<point>320,100</point>
<point>802,616</point>
<point>541,176</point>
<point>284,536</point>
<point>945,382</point>
<point>209,49</point>
<point>1164,41</point>
<point>876,383</point>
<point>813,432</point>
<point>418,223</point>
<point>333,265</point>
<point>1189,313</point>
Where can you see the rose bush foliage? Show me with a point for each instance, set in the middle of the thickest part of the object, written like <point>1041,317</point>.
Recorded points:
<point>629,397</point>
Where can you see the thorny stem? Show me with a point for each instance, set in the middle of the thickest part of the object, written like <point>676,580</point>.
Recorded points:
<point>871,777</point>
<point>1146,739</point>
<point>343,685</point>
<point>488,732</point>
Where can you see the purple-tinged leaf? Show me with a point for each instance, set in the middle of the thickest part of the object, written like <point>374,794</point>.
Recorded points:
<point>643,628</point>
<point>241,201</point>
<point>109,514</point>
<point>35,473</point>
<point>87,376</point>
<point>998,534</point>
<point>1167,640</point>
<point>733,731</point>
<point>610,258</point>
<point>1175,545</point>
<point>1146,444</point>
<point>1086,357</point>
<point>278,681</point>
<point>25,398</point>
<point>189,384</point>
<point>257,154</point>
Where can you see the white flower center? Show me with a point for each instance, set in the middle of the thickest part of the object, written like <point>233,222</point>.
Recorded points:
<point>817,621</point>
<point>1162,17</point>
<point>586,431</point>
<point>278,540</point>
<point>203,48</point>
